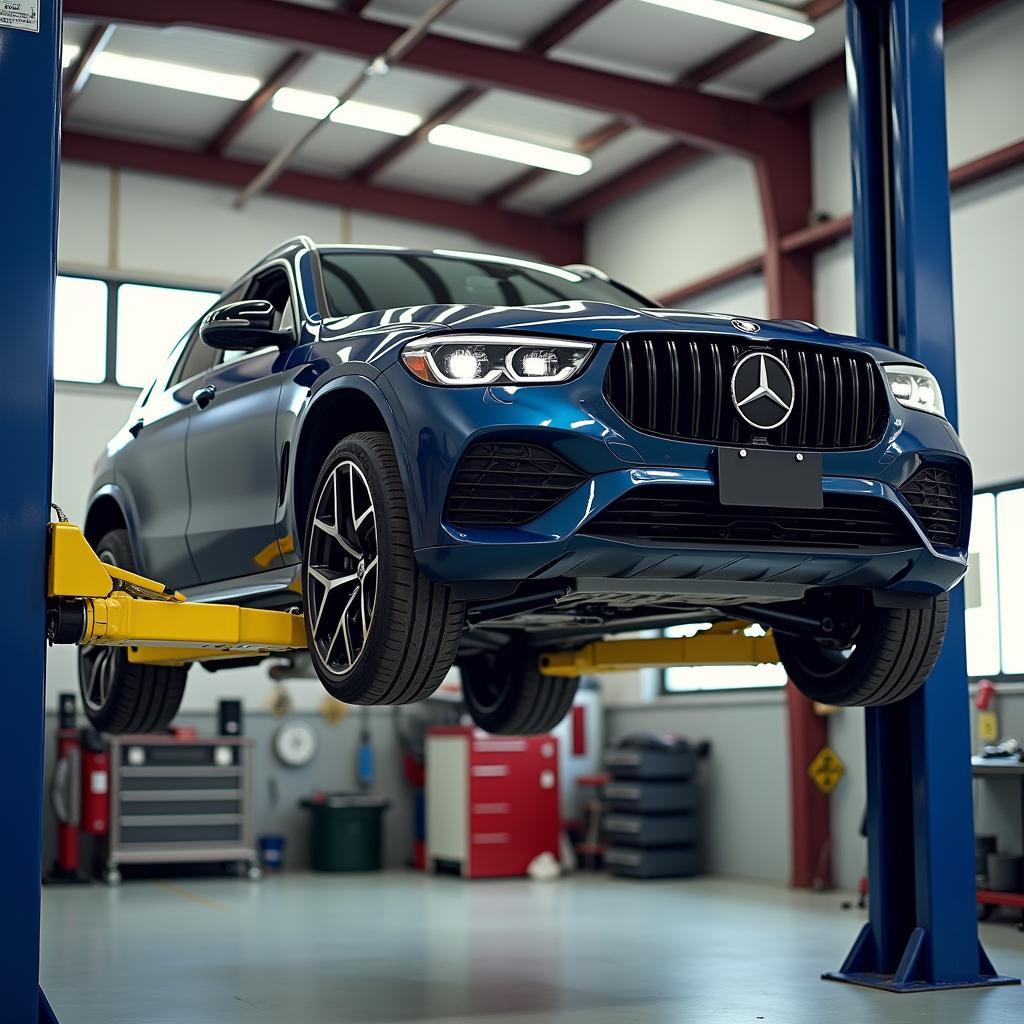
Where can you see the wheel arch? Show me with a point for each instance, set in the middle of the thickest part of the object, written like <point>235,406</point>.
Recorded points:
<point>108,511</point>
<point>345,406</point>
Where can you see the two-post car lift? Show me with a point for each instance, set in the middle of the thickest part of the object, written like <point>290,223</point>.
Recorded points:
<point>922,932</point>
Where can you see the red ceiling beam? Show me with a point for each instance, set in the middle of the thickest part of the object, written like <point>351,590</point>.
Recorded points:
<point>832,74</point>
<point>281,76</point>
<point>820,236</point>
<point>519,231</point>
<point>750,47</point>
<point>401,146</point>
<point>563,27</point>
<point>710,122</point>
<point>651,170</point>
<point>78,74</point>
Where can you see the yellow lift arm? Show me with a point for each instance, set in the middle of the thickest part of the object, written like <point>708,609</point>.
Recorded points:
<point>92,602</point>
<point>725,643</point>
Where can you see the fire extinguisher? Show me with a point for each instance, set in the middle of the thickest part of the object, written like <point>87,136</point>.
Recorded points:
<point>95,816</point>
<point>66,793</point>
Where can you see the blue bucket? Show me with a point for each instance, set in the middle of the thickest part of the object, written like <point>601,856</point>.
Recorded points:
<point>272,852</point>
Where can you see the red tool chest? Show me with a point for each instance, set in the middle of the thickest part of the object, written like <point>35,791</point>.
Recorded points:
<point>492,801</point>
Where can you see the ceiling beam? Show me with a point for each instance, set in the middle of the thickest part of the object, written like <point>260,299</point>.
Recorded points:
<point>441,115</point>
<point>78,74</point>
<point>718,65</point>
<point>710,122</point>
<point>755,44</point>
<point>827,232</point>
<point>559,244</point>
<point>279,77</point>
<point>564,26</point>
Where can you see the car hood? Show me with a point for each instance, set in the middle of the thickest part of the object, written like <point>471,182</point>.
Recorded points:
<point>596,321</point>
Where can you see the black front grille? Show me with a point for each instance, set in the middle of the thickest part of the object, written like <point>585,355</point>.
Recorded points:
<point>678,385</point>
<point>687,515</point>
<point>934,495</point>
<point>507,484</point>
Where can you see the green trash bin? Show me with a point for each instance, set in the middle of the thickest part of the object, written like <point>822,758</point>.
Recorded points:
<point>347,831</point>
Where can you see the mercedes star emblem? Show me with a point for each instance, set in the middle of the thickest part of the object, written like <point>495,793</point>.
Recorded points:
<point>762,390</point>
<point>746,325</point>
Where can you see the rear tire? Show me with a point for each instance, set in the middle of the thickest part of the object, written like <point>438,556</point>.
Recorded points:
<point>505,693</point>
<point>118,695</point>
<point>895,649</point>
<point>379,631</point>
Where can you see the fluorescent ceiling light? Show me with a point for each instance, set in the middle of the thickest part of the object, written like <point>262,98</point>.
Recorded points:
<point>502,148</point>
<point>68,54</point>
<point>173,76</point>
<point>773,19</point>
<point>360,115</point>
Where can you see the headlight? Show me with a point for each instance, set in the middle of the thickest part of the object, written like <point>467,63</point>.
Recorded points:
<point>464,360</point>
<point>915,387</point>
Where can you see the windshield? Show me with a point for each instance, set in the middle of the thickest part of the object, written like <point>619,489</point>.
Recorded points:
<point>358,282</point>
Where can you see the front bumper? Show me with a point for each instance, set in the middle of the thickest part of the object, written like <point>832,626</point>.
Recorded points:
<point>574,420</point>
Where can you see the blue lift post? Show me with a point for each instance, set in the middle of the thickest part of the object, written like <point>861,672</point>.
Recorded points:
<point>30,69</point>
<point>922,932</point>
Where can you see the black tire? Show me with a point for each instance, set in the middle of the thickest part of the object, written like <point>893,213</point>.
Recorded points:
<point>412,625</point>
<point>895,649</point>
<point>505,693</point>
<point>119,696</point>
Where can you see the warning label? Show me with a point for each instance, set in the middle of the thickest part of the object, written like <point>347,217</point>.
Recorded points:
<point>21,14</point>
<point>826,770</point>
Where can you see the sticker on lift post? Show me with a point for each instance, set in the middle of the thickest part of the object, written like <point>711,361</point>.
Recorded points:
<point>826,770</point>
<point>20,14</point>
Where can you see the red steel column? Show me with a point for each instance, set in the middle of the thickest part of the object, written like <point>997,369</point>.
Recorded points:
<point>784,181</point>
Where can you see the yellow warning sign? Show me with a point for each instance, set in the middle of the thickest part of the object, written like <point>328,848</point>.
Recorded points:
<point>826,770</point>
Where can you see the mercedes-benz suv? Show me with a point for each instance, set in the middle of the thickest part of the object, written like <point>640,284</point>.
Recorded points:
<point>452,458</point>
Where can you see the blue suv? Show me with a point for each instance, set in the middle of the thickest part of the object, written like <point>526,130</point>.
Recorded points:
<point>452,458</point>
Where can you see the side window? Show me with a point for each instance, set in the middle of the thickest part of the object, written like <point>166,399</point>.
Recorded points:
<point>197,357</point>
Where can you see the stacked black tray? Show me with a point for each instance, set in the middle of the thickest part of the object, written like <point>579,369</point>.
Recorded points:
<point>651,821</point>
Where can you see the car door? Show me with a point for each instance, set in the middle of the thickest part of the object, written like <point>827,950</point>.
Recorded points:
<point>152,472</point>
<point>232,452</point>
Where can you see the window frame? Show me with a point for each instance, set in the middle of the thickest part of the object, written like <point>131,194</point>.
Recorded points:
<point>113,282</point>
<point>999,677</point>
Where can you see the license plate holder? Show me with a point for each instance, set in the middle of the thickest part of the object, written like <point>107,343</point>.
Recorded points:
<point>769,479</point>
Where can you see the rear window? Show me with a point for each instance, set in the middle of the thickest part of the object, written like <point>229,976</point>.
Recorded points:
<point>358,282</point>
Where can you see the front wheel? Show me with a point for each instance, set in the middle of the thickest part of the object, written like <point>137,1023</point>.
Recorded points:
<point>891,653</point>
<point>379,631</point>
<point>506,694</point>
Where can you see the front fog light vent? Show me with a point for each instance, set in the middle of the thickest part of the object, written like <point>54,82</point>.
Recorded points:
<point>934,495</point>
<point>504,483</point>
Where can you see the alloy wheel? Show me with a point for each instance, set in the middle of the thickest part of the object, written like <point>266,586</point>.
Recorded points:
<point>341,568</point>
<point>100,664</point>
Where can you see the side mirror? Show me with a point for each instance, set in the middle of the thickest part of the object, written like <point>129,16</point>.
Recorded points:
<point>243,327</point>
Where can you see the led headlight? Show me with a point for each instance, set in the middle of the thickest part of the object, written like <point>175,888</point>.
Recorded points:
<point>915,388</point>
<point>465,360</point>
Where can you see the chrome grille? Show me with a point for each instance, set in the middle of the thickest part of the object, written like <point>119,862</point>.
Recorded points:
<point>678,385</point>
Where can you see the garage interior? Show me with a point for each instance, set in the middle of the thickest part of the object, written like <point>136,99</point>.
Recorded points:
<point>704,163</point>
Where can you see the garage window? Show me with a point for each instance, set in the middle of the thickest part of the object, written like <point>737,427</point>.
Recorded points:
<point>150,319</point>
<point>80,330</point>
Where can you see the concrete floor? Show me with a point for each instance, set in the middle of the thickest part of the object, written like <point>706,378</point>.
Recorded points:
<point>401,948</point>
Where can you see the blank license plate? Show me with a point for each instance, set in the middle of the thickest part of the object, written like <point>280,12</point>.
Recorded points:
<point>769,479</point>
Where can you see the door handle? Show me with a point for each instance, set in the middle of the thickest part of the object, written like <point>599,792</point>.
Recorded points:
<point>204,396</point>
<point>136,428</point>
